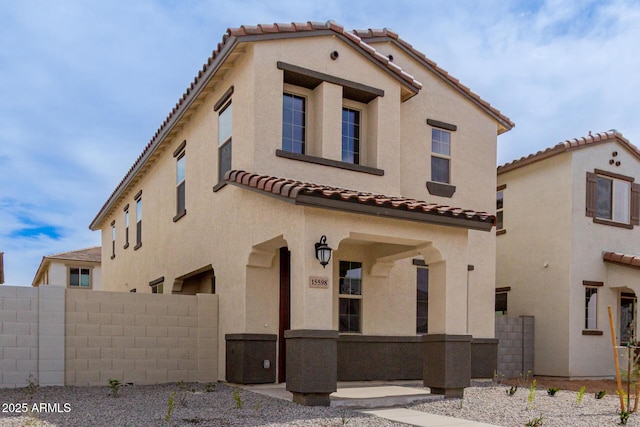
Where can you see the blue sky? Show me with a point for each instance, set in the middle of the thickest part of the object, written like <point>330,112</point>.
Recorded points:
<point>85,85</point>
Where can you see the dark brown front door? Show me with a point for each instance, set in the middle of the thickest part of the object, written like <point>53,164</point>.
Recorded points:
<point>285,311</point>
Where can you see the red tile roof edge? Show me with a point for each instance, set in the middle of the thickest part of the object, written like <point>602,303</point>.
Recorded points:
<point>570,145</point>
<point>394,37</point>
<point>231,35</point>
<point>293,190</point>
<point>621,259</point>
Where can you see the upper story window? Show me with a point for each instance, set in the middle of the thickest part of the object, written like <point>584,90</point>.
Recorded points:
<point>294,123</point>
<point>350,136</point>
<point>612,199</point>
<point>126,226</point>
<point>350,301</point>
<point>79,278</point>
<point>500,208</point>
<point>138,199</point>
<point>180,156</point>
<point>113,240</point>
<point>225,129</point>
<point>440,156</point>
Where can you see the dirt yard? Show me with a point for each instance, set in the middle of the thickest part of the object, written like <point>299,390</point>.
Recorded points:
<point>593,386</point>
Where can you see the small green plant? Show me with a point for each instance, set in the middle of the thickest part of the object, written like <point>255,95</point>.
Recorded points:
<point>512,390</point>
<point>525,378</point>
<point>210,387</point>
<point>344,417</point>
<point>581,394</point>
<point>31,387</point>
<point>535,422</point>
<point>552,391</point>
<point>237,398</point>
<point>600,394</point>
<point>624,417</point>
<point>184,393</point>
<point>171,404</point>
<point>114,385</point>
<point>532,394</point>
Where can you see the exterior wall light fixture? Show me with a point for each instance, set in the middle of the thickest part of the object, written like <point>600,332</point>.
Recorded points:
<point>323,251</point>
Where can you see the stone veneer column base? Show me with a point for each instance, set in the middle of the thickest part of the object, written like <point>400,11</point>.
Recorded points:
<point>447,364</point>
<point>312,360</point>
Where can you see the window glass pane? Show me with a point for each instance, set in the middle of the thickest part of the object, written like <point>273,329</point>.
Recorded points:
<point>180,195</point>
<point>74,277</point>
<point>501,303</point>
<point>350,278</point>
<point>621,193</point>
<point>293,123</point>
<point>84,278</point>
<point>603,198</point>
<point>499,220</point>
<point>350,136</point>
<point>126,219</point>
<point>349,319</point>
<point>591,304</point>
<point>440,142</point>
<point>224,159</point>
<point>139,210</point>
<point>224,125</point>
<point>180,169</point>
<point>499,199</point>
<point>422,298</point>
<point>439,169</point>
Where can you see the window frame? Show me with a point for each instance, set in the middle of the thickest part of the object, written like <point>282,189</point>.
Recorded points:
<point>138,200</point>
<point>305,122</point>
<point>423,301</point>
<point>350,297</point>
<point>358,153</point>
<point>126,227</point>
<point>590,288</point>
<point>157,285</point>
<point>113,239</point>
<point>181,205</point>
<point>441,156</point>
<point>79,268</point>
<point>500,193</point>
<point>633,200</point>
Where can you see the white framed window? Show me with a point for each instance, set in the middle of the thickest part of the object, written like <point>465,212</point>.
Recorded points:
<point>422,300</point>
<point>180,185</point>
<point>224,140</point>
<point>126,226</point>
<point>350,300</point>
<point>591,308</point>
<point>113,240</point>
<point>138,221</point>
<point>613,199</point>
<point>79,277</point>
<point>440,156</point>
<point>500,208</point>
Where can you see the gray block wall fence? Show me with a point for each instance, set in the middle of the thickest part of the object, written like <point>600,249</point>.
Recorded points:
<point>515,348</point>
<point>58,336</point>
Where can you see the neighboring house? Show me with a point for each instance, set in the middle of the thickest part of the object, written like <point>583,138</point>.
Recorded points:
<point>76,269</point>
<point>568,240</point>
<point>297,138</point>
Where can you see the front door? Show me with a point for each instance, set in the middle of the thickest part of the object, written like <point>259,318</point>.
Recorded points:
<point>285,311</point>
<point>627,317</point>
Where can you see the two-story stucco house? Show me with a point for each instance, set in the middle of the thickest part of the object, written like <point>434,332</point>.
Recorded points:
<point>299,138</point>
<point>568,221</point>
<point>79,269</point>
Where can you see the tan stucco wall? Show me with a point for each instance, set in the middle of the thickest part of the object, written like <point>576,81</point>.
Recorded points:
<point>222,228</point>
<point>537,220</point>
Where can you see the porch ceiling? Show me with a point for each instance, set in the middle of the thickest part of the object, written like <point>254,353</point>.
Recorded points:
<point>323,196</point>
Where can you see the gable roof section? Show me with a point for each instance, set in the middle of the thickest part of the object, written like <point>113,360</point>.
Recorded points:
<point>93,254</point>
<point>619,258</point>
<point>230,40</point>
<point>387,35</point>
<point>324,196</point>
<point>571,145</point>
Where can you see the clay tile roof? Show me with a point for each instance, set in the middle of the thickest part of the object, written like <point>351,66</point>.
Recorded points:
<point>626,260</point>
<point>569,145</point>
<point>393,36</point>
<point>324,196</point>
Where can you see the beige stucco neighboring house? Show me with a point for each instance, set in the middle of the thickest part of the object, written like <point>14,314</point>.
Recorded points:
<point>567,242</point>
<point>298,137</point>
<point>79,269</point>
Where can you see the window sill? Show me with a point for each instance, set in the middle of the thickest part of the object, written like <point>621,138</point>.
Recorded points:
<point>613,223</point>
<point>180,215</point>
<point>138,246</point>
<point>440,189</point>
<point>328,162</point>
<point>592,332</point>
<point>501,232</point>
<point>126,245</point>
<point>218,186</point>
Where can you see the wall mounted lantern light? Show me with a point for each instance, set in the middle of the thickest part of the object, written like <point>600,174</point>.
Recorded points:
<point>323,251</point>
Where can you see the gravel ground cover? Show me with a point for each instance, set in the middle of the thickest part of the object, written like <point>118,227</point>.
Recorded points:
<point>493,405</point>
<point>148,406</point>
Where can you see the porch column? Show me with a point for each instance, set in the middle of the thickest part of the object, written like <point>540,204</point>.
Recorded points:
<point>447,347</point>
<point>312,356</point>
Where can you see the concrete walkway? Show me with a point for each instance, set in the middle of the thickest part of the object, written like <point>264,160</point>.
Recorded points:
<point>381,399</point>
